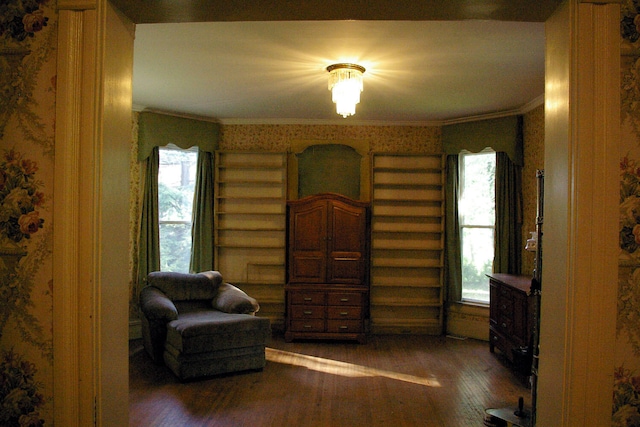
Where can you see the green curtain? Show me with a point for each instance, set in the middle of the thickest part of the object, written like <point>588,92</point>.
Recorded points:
<point>158,130</point>
<point>502,135</point>
<point>508,237</point>
<point>452,255</point>
<point>202,216</point>
<point>149,238</point>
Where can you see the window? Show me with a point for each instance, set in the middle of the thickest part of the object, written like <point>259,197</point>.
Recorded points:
<point>176,182</point>
<point>476,209</point>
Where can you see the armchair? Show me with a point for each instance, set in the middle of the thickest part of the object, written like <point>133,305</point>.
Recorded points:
<point>200,326</point>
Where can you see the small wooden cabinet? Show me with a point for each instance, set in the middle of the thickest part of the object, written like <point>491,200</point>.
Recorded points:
<point>327,289</point>
<point>510,322</point>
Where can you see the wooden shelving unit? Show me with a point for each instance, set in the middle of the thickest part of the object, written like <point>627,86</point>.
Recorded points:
<point>249,228</point>
<point>407,243</point>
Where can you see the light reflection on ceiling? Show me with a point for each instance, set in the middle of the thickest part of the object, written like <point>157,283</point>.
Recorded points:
<point>417,71</point>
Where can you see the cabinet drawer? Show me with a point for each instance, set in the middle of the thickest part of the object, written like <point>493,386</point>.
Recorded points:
<point>307,312</point>
<point>344,326</point>
<point>345,298</point>
<point>510,325</point>
<point>307,325</point>
<point>505,325</point>
<point>344,312</point>
<point>308,298</point>
<point>505,306</point>
<point>497,340</point>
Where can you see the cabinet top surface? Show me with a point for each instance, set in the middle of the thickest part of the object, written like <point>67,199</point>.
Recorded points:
<point>522,283</point>
<point>328,196</point>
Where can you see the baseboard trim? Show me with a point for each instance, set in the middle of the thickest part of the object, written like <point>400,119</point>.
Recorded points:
<point>462,320</point>
<point>468,320</point>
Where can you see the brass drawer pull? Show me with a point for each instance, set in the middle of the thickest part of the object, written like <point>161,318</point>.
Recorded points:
<point>307,326</point>
<point>344,299</point>
<point>344,327</point>
<point>307,312</point>
<point>344,313</point>
<point>307,298</point>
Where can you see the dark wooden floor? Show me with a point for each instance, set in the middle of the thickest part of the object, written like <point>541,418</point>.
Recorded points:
<point>390,381</point>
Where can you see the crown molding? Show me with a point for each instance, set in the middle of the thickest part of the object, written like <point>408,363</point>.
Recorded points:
<point>140,109</point>
<point>76,4</point>
<point>536,102</point>
<point>533,104</point>
<point>497,115</point>
<point>329,122</point>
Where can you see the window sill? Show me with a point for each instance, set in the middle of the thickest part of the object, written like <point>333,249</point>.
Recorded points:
<point>472,303</point>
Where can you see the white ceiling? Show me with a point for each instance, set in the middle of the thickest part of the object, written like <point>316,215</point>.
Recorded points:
<point>274,72</point>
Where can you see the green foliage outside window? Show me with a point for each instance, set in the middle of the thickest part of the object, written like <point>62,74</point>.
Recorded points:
<point>477,221</point>
<point>176,180</point>
<point>475,279</point>
<point>174,202</point>
<point>175,247</point>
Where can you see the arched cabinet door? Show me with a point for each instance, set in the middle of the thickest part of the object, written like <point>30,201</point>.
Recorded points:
<point>346,243</point>
<point>308,242</point>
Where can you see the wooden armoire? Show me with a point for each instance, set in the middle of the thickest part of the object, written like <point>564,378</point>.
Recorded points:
<point>327,290</point>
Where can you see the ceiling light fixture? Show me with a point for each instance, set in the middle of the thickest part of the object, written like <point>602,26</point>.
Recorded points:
<point>345,84</point>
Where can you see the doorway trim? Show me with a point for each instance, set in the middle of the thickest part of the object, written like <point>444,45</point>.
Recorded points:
<point>84,392</point>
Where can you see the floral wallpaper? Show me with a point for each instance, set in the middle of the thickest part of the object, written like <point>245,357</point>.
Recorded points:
<point>135,200</point>
<point>533,160</point>
<point>626,398</point>
<point>27,116</point>
<point>391,139</point>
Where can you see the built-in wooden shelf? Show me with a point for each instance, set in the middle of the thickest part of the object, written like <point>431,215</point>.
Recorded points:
<point>250,226</point>
<point>407,243</point>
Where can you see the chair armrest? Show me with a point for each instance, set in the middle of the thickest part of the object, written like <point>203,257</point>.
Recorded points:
<point>156,305</point>
<point>231,299</point>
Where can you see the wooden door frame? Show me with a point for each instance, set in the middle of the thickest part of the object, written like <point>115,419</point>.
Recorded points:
<point>578,312</point>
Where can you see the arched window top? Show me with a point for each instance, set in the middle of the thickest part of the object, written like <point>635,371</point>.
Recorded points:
<point>502,135</point>
<point>158,130</point>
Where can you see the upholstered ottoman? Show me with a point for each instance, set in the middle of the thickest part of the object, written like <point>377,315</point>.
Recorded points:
<point>203,343</point>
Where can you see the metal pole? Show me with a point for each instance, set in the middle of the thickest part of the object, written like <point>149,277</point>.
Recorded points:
<point>536,290</point>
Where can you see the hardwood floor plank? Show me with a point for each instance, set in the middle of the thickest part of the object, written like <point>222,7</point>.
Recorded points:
<point>390,381</point>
